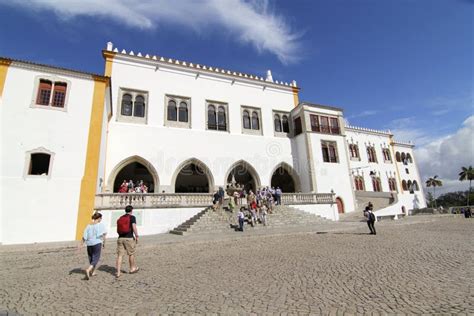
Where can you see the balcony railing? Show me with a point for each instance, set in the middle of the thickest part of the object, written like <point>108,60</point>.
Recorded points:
<point>108,201</point>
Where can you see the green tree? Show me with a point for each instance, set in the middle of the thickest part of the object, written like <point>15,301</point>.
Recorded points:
<point>434,182</point>
<point>467,174</point>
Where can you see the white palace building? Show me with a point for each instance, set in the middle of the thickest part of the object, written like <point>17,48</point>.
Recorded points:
<point>70,138</point>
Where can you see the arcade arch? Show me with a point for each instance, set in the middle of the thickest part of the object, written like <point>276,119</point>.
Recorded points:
<point>284,177</point>
<point>133,168</point>
<point>193,176</point>
<point>244,174</point>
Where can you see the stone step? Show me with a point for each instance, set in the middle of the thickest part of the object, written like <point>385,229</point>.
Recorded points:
<point>221,221</point>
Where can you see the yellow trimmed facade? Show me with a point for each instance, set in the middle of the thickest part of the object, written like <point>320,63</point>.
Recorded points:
<point>4,64</point>
<point>89,180</point>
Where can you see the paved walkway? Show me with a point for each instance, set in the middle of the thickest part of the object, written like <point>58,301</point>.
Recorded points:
<point>422,264</point>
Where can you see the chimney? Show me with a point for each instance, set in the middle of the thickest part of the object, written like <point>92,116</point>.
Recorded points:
<point>269,76</point>
<point>110,46</point>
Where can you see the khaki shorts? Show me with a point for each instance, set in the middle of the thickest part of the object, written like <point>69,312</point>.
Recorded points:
<point>126,246</point>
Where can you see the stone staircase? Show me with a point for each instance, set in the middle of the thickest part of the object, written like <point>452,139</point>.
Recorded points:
<point>209,221</point>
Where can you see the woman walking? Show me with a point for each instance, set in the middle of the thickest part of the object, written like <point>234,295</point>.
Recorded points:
<point>94,238</point>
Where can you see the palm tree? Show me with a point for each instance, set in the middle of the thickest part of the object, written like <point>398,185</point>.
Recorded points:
<point>467,174</point>
<point>434,182</point>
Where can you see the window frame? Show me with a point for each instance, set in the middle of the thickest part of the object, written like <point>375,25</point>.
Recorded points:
<point>392,184</point>
<point>217,105</point>
<point>330,145</point>
<point>316,121</point>
<point>132,118</point>
<point>39,150</point>
<point>387,156</point>
<point>53,79</point>
<point>371,149</point>
<point>178,101</point>
<point>376,184</point>
<point>251,110</point>
<point>356,151</point>
<point>357,180</point>
<point>281,114</point>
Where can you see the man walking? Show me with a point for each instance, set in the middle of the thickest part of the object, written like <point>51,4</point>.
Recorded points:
<point>127,241</point>
<point>371,219</point>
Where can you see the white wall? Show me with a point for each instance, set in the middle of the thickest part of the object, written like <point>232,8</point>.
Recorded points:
<point>323,210</point>
<point>167,147</point>
<point>150,221</point>
<point>42,208</point>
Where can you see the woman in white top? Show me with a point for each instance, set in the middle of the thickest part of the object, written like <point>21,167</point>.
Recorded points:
<point>94,238</point>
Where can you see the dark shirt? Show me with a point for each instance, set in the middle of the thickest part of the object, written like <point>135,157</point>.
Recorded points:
<point>133,220</point>
<point>216,198</point>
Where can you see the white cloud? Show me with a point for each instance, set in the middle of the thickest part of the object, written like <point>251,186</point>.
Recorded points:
<point>445,156</point>
<point>251,22</point>
<point>364,114</point>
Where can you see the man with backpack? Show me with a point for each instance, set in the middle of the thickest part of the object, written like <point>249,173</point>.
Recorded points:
<point>370,219</point>
<point>127,240</point>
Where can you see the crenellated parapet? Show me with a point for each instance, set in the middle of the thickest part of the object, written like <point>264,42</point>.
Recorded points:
<point>210,69</point>
<point>368,130</point>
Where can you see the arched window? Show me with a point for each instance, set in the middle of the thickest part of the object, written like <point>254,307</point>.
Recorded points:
<point>392,184</point>
<point>376,184</point>
<point>285,125</point>
<point>139,108</point>
<point>59,96</point>
<point>246,120</point>
<point>354,150</point>
<point>371,154</point>
<point>404,185</point>
<point>172,111</point>
<point>397,157</point>
<point>221,119</point>
<point>126,109</point>
<point>183,112</point>
<point>255,121</point>
<point>386,154</point>
<point>277,123</point>
<point>404,158</point>
<point>44,92</point>
<point>359,183</point>
<point>410,186</point>
<point>211,117</point>
<point>415,186</point>
<point>409,158</point>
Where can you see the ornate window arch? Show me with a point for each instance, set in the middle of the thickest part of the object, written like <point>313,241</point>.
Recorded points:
<point>404,185</point>
<point>255,121</point>
<point>183,112</point>
<point>246,119</point>
<point>277,123</point>
<point>172,111</point>
<point>285,124</point>
<point>377,185</point>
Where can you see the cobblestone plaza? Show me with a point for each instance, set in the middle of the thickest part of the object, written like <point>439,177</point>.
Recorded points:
<point>417,265</point>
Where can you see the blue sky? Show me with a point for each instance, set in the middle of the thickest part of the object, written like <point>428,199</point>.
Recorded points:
<point>403,65</point>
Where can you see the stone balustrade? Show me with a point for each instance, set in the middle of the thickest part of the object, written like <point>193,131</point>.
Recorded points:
<point>307,198</point>
<point>107,201</point>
